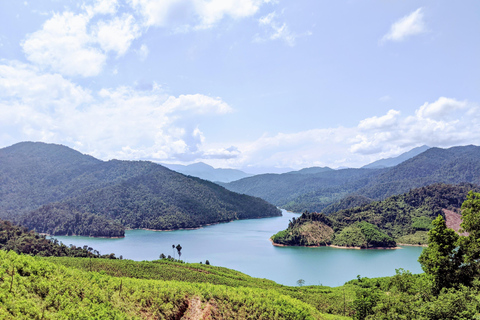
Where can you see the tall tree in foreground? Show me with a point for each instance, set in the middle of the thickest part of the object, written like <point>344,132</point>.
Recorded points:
<point>452,260</point>
<point>440,259</point>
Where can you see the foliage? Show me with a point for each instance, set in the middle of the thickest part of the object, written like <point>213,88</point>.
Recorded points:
<point>363,235</point>
<point>452,260</point>
<point>38,289</point>
<point>20,240</point>
<point>440,259</point>
<point>408,213</point>
<point>54,189</point>
<point>310,229</point>
<point>316,191</point>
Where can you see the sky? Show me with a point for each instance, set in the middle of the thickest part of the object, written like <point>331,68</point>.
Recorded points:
<point>256,85</point>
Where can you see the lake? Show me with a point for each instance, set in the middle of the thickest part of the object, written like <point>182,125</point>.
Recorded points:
<point>244,245</point>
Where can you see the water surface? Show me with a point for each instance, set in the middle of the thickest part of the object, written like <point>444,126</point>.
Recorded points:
<point>244,246</point>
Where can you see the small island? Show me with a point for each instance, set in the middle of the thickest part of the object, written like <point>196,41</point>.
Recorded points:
<point>316,229</point>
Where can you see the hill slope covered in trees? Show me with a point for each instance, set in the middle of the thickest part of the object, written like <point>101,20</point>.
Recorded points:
<point>315,192</point>
<point>405,218</point>
<point>57,190</point>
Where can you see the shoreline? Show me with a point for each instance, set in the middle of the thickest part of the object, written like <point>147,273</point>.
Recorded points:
<point>412,245</point>
<point>79,235</point>
<point>336,247</point>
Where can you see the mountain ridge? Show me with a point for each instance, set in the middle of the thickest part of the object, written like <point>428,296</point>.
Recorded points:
<point>57,190</point>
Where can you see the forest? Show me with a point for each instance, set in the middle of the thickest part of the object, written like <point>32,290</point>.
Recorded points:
<point>404,218</point>
<point>325,190</point>
<point>59,191</point>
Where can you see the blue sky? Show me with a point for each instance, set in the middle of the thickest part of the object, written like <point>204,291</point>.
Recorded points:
<point>251,84</point>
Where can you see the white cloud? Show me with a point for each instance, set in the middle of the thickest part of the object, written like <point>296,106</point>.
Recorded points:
<point>113,123</point>
<point>407,26</point>
<point>72,45</point>
<point>117,34</point>
<point>379,123</point>
<point>102,7</point>
<point>197,14</point>
<point>275,30</point>
<point>372,139</point>
<point>440,109</point>
<point>64,45</point>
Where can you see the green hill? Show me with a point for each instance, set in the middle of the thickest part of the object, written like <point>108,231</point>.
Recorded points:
<point>56,190</point>
<point>405,218</point>
<point>315,192</point>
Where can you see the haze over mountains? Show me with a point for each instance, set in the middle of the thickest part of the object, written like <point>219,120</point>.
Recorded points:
<point>57,190</point>
<point>204,171</point>
<point>316,191</point>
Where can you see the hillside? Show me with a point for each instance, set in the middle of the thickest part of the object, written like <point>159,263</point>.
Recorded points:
<point>405,218</point>
<point>41,289</point>
<point>315,192</point>
<point>299,192</point>
<point>56,190</point>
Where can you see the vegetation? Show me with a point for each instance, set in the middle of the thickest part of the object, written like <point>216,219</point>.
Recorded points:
<point>404,218</point>
<point>56,190</point>
<point>450,287</point>
<point>21,240</point>
<point>310,229</point>
<point>409,215</point>
<point>38,289</point>
<point>316,191</point>
<point>363,235</point>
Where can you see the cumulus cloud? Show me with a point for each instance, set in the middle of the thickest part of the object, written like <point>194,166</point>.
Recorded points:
<point>112,123</point>
<point>64,45</point>
<point>117,34</point>
<point>445,122</point>
<point>407,26</point>
<point>72,45</point>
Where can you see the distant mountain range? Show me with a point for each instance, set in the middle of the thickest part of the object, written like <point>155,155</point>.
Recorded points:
<point>57,190</point>
<point>204,171</point>
<point>316,191</point>
<point>391,162</point>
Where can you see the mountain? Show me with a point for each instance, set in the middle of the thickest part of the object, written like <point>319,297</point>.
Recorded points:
<point>57,190</point>
<point>311,170</point>
<point>391,162</point>
<point>316,191</point>
<point>206,172</point>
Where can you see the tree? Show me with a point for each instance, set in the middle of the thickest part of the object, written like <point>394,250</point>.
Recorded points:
<point>300,282</point>
<point>173,249</point>
<point>162,256</point>
<point>179,250</point>
<point>470,244</point>
<point>441,259</point>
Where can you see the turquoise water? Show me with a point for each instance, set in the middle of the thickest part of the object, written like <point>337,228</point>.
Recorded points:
<point>244,246</point>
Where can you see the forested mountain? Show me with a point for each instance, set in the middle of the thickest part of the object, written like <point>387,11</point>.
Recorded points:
<point>206,172</point>
<point>391,162</point>
<point>299,192</point>
<point>54,189</point>
<point>314,192</point>
<point>405,218</point>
